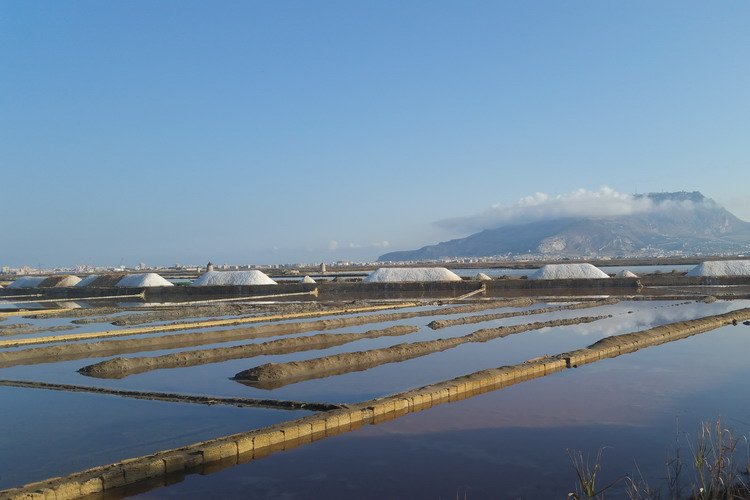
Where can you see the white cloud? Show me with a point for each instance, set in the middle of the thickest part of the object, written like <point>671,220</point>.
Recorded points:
<point>605,202</point>
<point>333,245</point>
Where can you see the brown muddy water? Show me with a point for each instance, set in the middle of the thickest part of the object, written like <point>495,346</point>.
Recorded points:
<point>509,443</point>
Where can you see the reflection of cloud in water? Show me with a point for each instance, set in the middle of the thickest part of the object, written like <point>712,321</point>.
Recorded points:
<point>651,389</point>
<point>647,315</point>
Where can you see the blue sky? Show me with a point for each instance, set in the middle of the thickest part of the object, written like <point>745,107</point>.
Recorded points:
<point>261,132</point>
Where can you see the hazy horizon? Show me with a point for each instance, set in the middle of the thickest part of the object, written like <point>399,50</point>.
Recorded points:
<point>307,132</point>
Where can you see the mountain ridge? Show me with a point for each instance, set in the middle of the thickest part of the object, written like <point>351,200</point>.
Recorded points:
<point>676,222</point>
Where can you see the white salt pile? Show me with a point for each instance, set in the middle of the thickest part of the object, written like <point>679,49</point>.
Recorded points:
<point>482,277</point>
<point>308,279</point>
<point>568,271</point>
<point>142,280</point>
<point>403,274</point>
<point>87,280</point>
<point>61,281</point>
<point>626,274</point>
<point>224,278</point>
<point>721,268</point>
<point>27,282</point>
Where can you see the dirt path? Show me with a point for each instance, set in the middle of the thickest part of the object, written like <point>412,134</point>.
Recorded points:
<point>273,375</point>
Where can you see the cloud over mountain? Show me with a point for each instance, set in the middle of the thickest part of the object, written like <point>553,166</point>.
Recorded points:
<point>593,223</point>
<point>604,202</point>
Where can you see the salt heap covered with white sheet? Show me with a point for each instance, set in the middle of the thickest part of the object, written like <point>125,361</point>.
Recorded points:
<point>308,279</point>
<point>568,271</point>
<point>482,277</point>
<point>224,278</point>
<point>404,274</point>
<point>142,280</point>
<point>721,268</point>
<point>27,282</point>
<point>626,274</point>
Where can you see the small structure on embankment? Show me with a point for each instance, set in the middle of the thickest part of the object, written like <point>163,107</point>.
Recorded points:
<point>721,268</point>
<point>308,279</point>
<point>568,271</point>
<point>233,278</point>
<point>410,274</point>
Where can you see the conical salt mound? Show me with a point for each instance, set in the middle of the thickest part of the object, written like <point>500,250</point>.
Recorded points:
<point>626,274</point>
<point>227,278</point>
<point>142,280</point>
<point>59,281</point>
<point>568,271</point>
<point>101,280</point>
<point>88,280</point>
<point>27,282</point>
<point>482,277</point>
<point>308,279</point>
<point>721,268</point>
<point>410,274</point>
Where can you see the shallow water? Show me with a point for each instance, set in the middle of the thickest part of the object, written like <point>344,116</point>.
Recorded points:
<point>49,433</point>
<point>513,443</point>
<point>76,430</point>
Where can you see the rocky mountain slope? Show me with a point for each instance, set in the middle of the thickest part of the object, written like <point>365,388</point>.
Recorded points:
<point>685,222</point>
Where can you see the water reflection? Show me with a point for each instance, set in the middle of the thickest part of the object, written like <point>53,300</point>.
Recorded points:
<point>512,443</point>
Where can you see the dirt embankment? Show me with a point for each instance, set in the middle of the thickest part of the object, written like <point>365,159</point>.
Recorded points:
<point>28,329</point>
<point>122,367</point>
<point>176,398</point>
<point>272,375</point>
<point>630,342</point>
<point>169,313</point>
<point>69,351</point>
<point>443,323</point>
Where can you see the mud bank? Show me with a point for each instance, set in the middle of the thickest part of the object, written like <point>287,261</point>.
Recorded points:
<point>273,375</point>
<point>33,313</point>
<point>438,324</point>
<point>214,454</point>
<point>169,313</point>
<point>175,398</point>
<point>27,329</point>
<point>197,324</point>
<point>122,367</point>
<point>70,351</point>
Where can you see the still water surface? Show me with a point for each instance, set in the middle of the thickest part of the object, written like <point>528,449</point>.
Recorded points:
<point>512,443</point>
